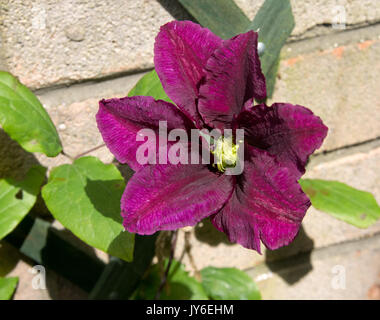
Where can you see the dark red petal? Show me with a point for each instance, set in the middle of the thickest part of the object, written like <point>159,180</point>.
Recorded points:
<point>233,77</point>
<point>119,121</point>
<point>290,132</point>
<point>167,197</point>
<point>268,204</point>
<point>180,54</point>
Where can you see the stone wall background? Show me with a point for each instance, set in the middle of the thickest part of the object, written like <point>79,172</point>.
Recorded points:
<point>74,52</point>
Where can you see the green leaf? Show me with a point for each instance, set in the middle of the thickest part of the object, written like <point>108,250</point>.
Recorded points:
<point>85,198</point>
<point>272,77</point>
<point>343,202</point>
<point>275,23</point>
<point>18,197</point>
<point>149,85</point>
<point>7,287</point>
<point>223,17</point>
<point>229,284</point>
<point>180,285</point>
<point>23,117</point>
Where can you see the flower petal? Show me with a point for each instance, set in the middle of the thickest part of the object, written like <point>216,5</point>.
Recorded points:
<point>233,77</point>
<point>268,204</point>
<point>181,51</point>
<point>167,197</point>
<point>291,132</point>
<point>119,121</point>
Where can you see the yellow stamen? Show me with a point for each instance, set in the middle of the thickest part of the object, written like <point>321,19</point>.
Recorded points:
<point>225,152</point>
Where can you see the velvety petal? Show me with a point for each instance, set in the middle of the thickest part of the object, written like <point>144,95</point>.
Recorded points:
<point>290,132</point>
<point>256,84</point>
<point>119,121</point>
<point>268,204</point>
<point>233,77</point>
<point>180,54</point>
<point>167,197</point>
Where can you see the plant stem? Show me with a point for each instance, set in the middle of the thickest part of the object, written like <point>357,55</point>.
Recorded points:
<point>165,277</point>
<point>88,151</point>
<point>66,155</point>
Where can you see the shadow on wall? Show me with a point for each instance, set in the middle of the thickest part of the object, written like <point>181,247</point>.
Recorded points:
<point>292,262</point>
<point>176,10</point>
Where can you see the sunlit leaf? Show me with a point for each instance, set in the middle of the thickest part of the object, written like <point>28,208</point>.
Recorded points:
<point>7,287</point>
<point>85,198</point>
<point>149,85</point>
<point>17,198</point>
<point>343,202</point>
<point>229,284</point>
<point>24,119</point>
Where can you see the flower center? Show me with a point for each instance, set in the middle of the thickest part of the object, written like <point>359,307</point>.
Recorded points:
<point>225,152</point>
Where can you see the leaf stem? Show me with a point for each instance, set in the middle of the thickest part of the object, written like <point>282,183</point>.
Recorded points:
<point>166,274</point>
<point>66,155</point>
<point>88,151</point>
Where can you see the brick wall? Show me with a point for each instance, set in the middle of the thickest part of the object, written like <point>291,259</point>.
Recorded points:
<point>72,53</point>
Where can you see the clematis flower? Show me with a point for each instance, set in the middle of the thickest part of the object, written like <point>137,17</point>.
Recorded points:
<point>214,84</point>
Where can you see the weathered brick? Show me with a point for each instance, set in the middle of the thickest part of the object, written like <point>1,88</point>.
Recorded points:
<point>315,17</point>
<point>53,42</point>
<point>73,111</point>
<point>339,84</point>
<point>346,271</point>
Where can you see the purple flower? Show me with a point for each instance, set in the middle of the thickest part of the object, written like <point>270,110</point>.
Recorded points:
<point>214,83</point>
